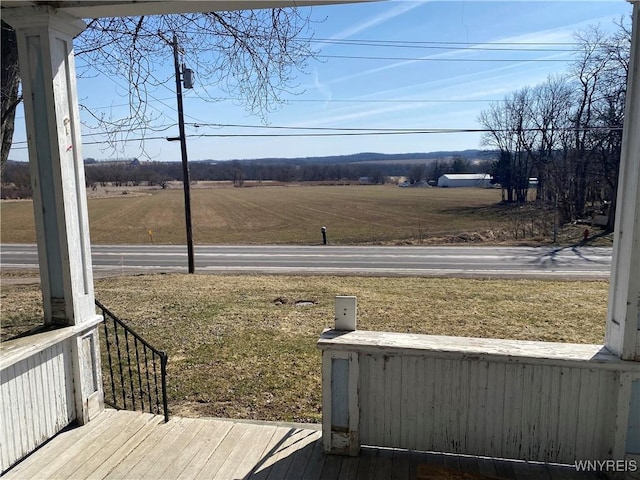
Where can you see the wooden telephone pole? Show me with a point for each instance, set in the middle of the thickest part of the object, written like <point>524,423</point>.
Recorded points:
<point>183,149</point>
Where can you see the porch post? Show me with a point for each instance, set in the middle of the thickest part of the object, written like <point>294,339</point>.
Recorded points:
<point>623,317</point>
<point>47,71</point>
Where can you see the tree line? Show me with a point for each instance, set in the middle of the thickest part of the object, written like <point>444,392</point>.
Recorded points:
<point>566,131</point>
<point>16,179</point>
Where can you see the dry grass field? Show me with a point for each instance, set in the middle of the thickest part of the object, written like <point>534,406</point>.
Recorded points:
<point>240,347</point>
<point>356,214</point>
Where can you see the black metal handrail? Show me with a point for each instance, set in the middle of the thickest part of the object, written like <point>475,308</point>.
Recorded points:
<point>132,383</point>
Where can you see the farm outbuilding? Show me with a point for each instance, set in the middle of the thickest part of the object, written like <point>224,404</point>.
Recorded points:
<point>480,180</point>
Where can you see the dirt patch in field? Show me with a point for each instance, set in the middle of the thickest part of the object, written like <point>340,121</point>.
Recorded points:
<point>110,191</point>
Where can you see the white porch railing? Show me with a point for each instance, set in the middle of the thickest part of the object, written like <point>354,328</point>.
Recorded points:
<point>38,375</point>
<point>535,401</point>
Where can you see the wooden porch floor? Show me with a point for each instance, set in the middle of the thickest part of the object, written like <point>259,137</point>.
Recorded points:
<point>130,445</point>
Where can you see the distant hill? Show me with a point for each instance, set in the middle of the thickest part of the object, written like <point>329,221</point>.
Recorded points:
<point>367,157</point>
<point>363,157</point>
<point>368,167</point>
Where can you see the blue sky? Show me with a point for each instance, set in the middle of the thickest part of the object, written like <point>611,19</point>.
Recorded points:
<point>444,86</point>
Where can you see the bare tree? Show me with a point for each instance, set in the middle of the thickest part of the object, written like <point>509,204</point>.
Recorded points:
<point>252,55</point>
<point>599,73</point>
<point>9,85</point>
<point>417,173</point>
<point>609,111</point>
<point>550,116</point>
<point>460,164</point>
<point>567,130</point>
<point>511,132</point>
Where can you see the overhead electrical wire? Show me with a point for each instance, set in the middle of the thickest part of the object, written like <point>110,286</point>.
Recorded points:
<point>390,43</point>
<point>320,100</point>
<point>466,46</point>
<point>438,45</point>
<point>343,132</point>
<point>430,59</point>
<point>430,42</point>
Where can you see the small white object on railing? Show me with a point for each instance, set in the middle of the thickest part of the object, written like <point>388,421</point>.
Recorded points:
<point>346,312</point>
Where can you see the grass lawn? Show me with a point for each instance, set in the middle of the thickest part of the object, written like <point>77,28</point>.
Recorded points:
<point>240,347</point>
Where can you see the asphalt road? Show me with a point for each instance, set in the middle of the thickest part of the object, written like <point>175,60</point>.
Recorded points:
<point>518,262</point>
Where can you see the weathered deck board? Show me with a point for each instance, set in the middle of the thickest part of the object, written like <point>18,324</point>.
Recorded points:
<point>248,458</point>
<point>103,448</point>
<point>280,458</point>
<point>184,450</point>
<point>304,455</point>
<point>51,451</point>
<point>123,452</point>
<point>141,446</point>
<point>212,435</point>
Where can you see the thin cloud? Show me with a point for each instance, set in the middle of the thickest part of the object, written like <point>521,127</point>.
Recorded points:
<point>555,35</point>
<point>322,88</point>
<point>358,115</point>
<point>394,12</point>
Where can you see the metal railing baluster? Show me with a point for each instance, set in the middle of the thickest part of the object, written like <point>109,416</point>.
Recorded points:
<point>106,339</point>
<point>126,342</point>
<point>124,394</point>
<point>146,369</point>
<point>117,379</point>
<point>135,344</point>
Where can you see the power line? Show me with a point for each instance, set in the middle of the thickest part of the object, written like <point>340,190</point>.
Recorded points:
<point>350,133</point>
<point>314,100</point>
<point>427,59</point>
<point>284,127</point>
<point>400,132</point>
<point>433,42</point>
<point>126,140</point>
<point>391,100</point>
<point>306,100</point>
<point>426,43</point>
<point>333,134</point>
<point>440,45</point>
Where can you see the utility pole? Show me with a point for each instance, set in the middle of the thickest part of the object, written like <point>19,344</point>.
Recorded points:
<point>183,149</point>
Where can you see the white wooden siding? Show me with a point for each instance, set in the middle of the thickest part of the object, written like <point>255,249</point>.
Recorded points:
<point>523,411</point>
<point>37,401</point>
<point>533,401</point>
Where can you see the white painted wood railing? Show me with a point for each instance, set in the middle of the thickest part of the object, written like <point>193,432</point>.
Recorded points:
<point>37,377</point>
<point>535,401</point>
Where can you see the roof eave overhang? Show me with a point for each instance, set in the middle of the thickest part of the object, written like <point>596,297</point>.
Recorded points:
<point>125,8</point>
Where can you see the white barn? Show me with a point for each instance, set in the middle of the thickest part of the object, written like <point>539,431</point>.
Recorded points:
<point>481,180</point>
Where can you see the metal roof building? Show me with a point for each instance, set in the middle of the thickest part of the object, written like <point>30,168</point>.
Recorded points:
<point>480,180</point>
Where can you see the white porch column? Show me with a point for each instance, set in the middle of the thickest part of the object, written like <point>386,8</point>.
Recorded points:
<point>623,317</point>
<point>47,69</point>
